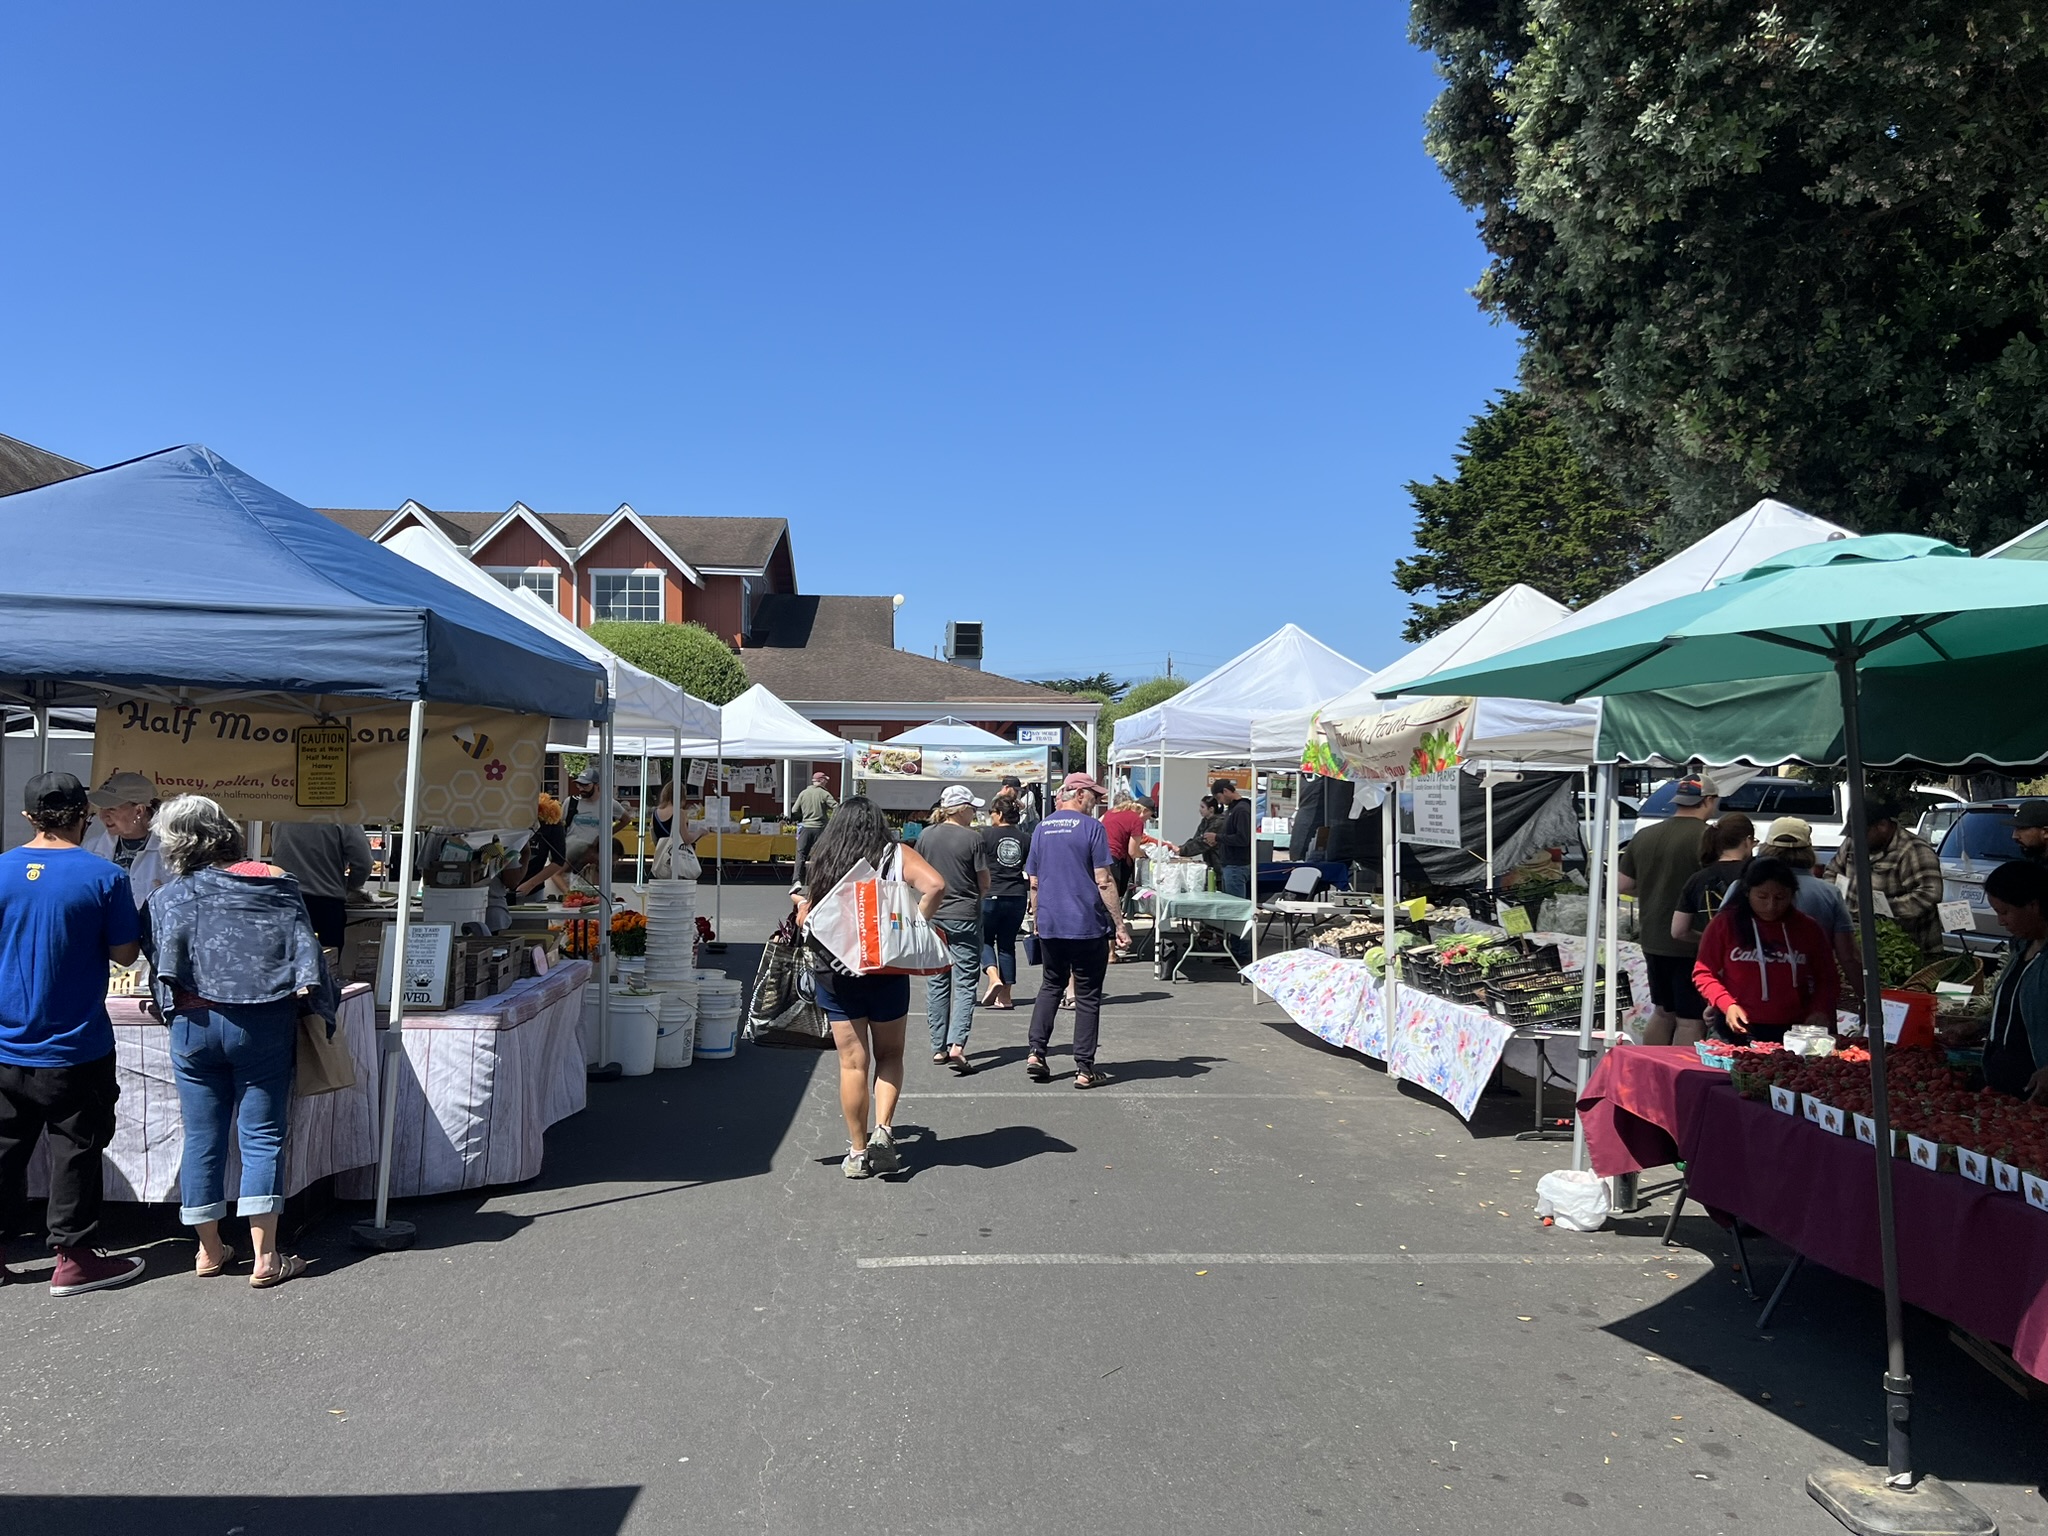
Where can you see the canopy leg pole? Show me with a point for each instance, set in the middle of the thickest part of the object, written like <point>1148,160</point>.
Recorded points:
<point>1490,878</point>
<point>1611,918</point>
<point>1898,1502</point>
<point>42,738</point>
<point>1589,975</point>
<point>607,796</point>
<point>675,801</point>
<point>789,785</point>
<point>1252,885</point>
<point>718,891</point>
<point>1390,883</point>
<point>640,839</point>
<point>1090,724</point>
<point>382,1232</point>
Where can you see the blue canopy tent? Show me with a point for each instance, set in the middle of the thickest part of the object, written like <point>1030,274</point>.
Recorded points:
<point>243,591</point>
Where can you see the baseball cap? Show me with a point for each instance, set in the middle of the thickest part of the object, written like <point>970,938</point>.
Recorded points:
<point>47,792</point>
<point>1011,781</point>
<point>124,789</point>
<point>959,794</point>
<point>2033,813</point>
<point>1883,810</point>
<point>584,776</point>
<point>1789,832</point>
<point>1075,782</point>
<point>1690,791</point>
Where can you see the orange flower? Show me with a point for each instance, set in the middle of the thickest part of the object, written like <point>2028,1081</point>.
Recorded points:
<point>550,810</point>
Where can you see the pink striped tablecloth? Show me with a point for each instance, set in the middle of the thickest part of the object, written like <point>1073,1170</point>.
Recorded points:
<point>326,1134</point>
<point>480,1084</point>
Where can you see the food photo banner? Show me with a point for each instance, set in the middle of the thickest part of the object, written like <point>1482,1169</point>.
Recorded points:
<point>478,767</point>
<point>1425,737</point>
<point>873,760</point>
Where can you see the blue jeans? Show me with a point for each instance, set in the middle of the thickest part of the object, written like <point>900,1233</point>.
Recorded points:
<point>1002,919</point>
<point>234,1064</point>
<point>949,996</point>
<point>1237,879</point>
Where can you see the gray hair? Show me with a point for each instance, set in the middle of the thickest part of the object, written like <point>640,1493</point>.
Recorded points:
<point>196,833</point>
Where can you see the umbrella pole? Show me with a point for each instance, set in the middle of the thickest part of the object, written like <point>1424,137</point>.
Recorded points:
<point>382,1232</point>
<point>1390,882</point>
<point>1897,1502</point>
<point>1589,974</point>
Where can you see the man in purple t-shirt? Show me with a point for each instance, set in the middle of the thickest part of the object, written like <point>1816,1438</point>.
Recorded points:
<point>1076,910</point>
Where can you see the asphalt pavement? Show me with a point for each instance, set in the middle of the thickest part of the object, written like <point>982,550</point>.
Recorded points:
<point>1252,1285</point>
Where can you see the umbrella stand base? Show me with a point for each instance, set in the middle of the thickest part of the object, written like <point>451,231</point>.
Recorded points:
<point>1860,1498</point>
<point>392,1237</point>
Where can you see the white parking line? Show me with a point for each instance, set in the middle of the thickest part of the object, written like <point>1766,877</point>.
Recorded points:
<point>927,1096</point>
<point>1660,1260</point>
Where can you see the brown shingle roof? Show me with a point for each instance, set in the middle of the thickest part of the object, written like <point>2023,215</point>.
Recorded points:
<point>743,543</point>
<point>23,466</point>
<point>363,520</point>
<point>815,649</point>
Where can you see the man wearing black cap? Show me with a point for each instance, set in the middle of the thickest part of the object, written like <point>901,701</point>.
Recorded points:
<point>64,913</point>
<point>2030,829</point>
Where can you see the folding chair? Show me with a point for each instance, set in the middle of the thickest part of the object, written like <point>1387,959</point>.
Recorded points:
<point>1302,885</point>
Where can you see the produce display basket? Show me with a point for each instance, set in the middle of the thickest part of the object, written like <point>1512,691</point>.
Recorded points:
<point>1961,970</point>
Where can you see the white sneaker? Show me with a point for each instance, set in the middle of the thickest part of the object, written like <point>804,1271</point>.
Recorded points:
<point>882,1156</point>
<point>856,1166</point>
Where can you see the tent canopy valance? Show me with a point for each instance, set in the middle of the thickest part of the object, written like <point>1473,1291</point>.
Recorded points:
<point>1214,716</point>
<point>242,588</point>
<point>757,726</point>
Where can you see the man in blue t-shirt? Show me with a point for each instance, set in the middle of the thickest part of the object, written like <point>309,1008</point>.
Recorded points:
<point>64,913</point>
<point>1076,910</point>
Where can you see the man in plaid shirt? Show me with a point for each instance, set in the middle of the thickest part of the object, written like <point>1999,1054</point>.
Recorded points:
<point>1906,871</point>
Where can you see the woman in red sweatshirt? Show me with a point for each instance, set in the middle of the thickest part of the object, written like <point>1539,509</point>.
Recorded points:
<point>1765,964</point>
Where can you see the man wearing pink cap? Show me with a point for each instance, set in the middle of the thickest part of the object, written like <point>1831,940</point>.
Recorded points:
<point>1074,904</point>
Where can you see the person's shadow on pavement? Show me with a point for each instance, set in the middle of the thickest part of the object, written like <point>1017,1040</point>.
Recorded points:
<point>924,1148</point>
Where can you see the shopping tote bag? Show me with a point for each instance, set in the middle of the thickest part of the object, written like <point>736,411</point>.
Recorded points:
<point>871,925</point>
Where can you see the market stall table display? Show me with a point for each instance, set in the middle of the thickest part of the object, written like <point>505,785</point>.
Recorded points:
<point>479,1085</point>
<point>327,1134</point>
<point>1970,1253</point>
<point>1188,912</point>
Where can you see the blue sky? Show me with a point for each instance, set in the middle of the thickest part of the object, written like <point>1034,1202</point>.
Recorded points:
<point>1117,326</point>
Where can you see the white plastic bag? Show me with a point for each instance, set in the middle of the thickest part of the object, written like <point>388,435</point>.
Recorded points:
<point>872,926</point>
<point>1573,1198</point>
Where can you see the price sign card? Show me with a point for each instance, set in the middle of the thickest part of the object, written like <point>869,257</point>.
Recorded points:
<point>1515,920</point>
<point>1957,917</point>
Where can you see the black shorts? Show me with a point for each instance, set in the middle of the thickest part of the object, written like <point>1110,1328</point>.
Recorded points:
<point>878,999</point>
<point>1671,986</point>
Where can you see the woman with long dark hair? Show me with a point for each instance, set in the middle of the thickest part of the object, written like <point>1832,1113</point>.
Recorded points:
<point>1765,964</point>
<point>1725,847</point>
<point>867,1012</point>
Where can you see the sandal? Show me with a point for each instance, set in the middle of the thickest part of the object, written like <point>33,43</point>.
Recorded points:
<point>961,1066</point>
<point>1036,1069</point>
<point>289,1267</point>
<point>1090,1077</point>
<point>206,1271</point>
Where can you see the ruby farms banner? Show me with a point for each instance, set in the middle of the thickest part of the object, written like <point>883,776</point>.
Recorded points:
<point>479,768</point>
<point>941,765</point>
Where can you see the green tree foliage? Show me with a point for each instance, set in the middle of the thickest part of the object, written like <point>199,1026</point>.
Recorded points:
<point>1523,506</point>
<point>688,655</point>
<point>1796,249</point>
<point>1099,682</point>
<point>1154,690</point>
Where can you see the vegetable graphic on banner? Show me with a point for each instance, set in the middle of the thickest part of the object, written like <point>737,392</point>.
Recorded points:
<point>1425,737</point>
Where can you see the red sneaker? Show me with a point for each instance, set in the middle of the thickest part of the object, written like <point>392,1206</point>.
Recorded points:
<point>87,1269</point>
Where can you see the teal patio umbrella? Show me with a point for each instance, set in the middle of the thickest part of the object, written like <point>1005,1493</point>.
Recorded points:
<point>1919,646</point>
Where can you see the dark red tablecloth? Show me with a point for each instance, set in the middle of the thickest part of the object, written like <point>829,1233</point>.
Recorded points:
<point>1638,1103</point>
<point>1967,1254</point>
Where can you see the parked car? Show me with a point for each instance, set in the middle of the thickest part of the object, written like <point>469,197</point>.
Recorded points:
<point>1977,840</point>
<point>1764,799</point>
<point>1943,813</point>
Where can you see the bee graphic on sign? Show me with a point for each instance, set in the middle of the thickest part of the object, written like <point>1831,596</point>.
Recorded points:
<point>474,743</point>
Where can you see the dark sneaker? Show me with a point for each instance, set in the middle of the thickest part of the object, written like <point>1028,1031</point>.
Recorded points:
<point>85,1269</point>
<point>882,1154</point>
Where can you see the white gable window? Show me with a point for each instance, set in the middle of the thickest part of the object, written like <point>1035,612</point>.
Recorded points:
<point>631,595</point>
<point>537,579</point>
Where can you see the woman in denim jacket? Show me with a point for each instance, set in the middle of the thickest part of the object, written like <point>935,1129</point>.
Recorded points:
<point>236,963</point>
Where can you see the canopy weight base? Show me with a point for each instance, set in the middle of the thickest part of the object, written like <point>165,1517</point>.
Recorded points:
<point>610,1072</point>
<point>392,1237</point>
<point>1864,1502</point>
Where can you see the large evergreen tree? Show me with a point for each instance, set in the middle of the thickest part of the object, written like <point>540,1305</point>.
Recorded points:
<point>1797,249</point>
<point>1523,506</point>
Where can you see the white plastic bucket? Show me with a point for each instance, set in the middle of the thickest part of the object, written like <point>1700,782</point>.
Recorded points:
<point>718,1029</point>
<point>676,1042</point>
<point>636,1027</point>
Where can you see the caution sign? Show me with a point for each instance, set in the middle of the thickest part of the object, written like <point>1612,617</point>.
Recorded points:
<point>323,765</point>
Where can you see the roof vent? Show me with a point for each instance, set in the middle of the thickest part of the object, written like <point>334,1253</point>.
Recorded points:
<point>963,643</point>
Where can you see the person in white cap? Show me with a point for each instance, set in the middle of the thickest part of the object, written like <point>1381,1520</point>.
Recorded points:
<point>956,850</point>
<point>125,832</point>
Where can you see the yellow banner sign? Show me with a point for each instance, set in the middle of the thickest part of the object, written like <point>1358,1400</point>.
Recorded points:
<point>478,767</point>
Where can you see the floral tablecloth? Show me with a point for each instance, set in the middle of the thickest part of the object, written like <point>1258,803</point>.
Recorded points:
<point>1332,998</point>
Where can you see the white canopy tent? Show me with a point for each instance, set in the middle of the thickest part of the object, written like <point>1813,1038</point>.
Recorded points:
<point>1212,717</point>
<point>948,731</point>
